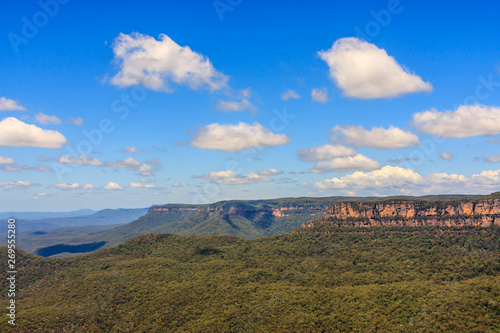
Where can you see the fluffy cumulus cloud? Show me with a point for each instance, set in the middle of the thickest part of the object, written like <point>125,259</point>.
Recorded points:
<point>362,70</point>
<point>134,150</point>
<point>290,94</point>
<point>235,106</point>
<point>129,163</point>
<point>319,95</point>
<point>387,177</point>
<point>13,167</point>
<point>20,185</point>
<point>81,160</point>
<point>348,163</point>
<point>446,156</point>
<point>76,121</point>
<point>391,180</point>
<point>72,186</point>
<point>325,152</point>
<point>377,137</point>
<point>466,121</point>
<point>113,186</point>
<point>336,158</point>
<point>241,104</point>
<point>141,185</point>
<point>66,186</point>
<point>492,158</point>
<point>15,133</point>
<point>217,175</point>
<point>46,119</point>
<point>489,178</point>
<point>229,177</point>
<point>6,160</point>
<point>234,138</point>
<point>143,60</point>
<point>7,104</point>
<point>269,172</point>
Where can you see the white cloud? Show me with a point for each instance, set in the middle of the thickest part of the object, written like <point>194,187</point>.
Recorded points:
<point>13,167</point>
<point>446,156</point>
<point>290,94</point>
<point>113,186</point>
<point>76,121</point>
<point>132,164</point>
<point>81,160</point>
<point>319,95</point>
<point>15,133</point>
<point>234,138</point>
<point>466,121</point>
<point>46,119</point>
<point>242,104</point>
<point>140,185</point>
<point>129,163</point>
<point>269,172</point>
<point>251,178</point>
<point>177,185</point>
<point>143,60</point>
<point>347,163</point>
<point>39,196</point>
<point>234,106</point>
<point>43,168</point>
<point>217,175</point>
<point>10,105</point>
<point>66,186</point>
<point>325,152</point>
<point>229,177</point>
<point>492,158</point>
<point>362,70</point>
<point>150,180</point>
<point>87,186</point>
<point>377,137</point>
<point>134,150</point>
<point>488,178</point>
<point>6,160</point>
<point>386,177</point>
<point>396,180</point>
<point>20,184</point>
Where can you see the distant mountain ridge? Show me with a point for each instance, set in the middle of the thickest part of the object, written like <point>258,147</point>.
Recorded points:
<point>45,215</point>
<point>102,217</point>
<point>242,218</point>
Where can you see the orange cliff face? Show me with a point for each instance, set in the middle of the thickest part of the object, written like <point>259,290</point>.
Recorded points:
<point>479,212</point>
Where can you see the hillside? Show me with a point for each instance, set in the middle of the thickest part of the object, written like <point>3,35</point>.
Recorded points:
<point>394,278</point>
<point>242,218</point>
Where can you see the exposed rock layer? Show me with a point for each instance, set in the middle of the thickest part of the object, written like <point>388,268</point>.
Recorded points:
<point>482,212</point>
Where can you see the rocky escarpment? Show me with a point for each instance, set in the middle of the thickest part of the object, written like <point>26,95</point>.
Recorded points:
<point>480,212</point>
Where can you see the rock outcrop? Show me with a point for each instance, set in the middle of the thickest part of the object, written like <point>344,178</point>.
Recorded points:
<point>479,212</point>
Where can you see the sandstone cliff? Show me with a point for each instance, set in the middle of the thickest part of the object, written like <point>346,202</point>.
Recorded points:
<point>479,212</point>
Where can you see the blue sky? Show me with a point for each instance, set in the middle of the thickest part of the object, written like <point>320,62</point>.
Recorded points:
<point>106,105</point>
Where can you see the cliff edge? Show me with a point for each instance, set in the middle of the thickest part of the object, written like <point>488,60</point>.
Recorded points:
<point>478,212</point>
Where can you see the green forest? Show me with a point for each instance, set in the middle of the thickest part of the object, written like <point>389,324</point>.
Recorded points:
<point>324,279</point>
